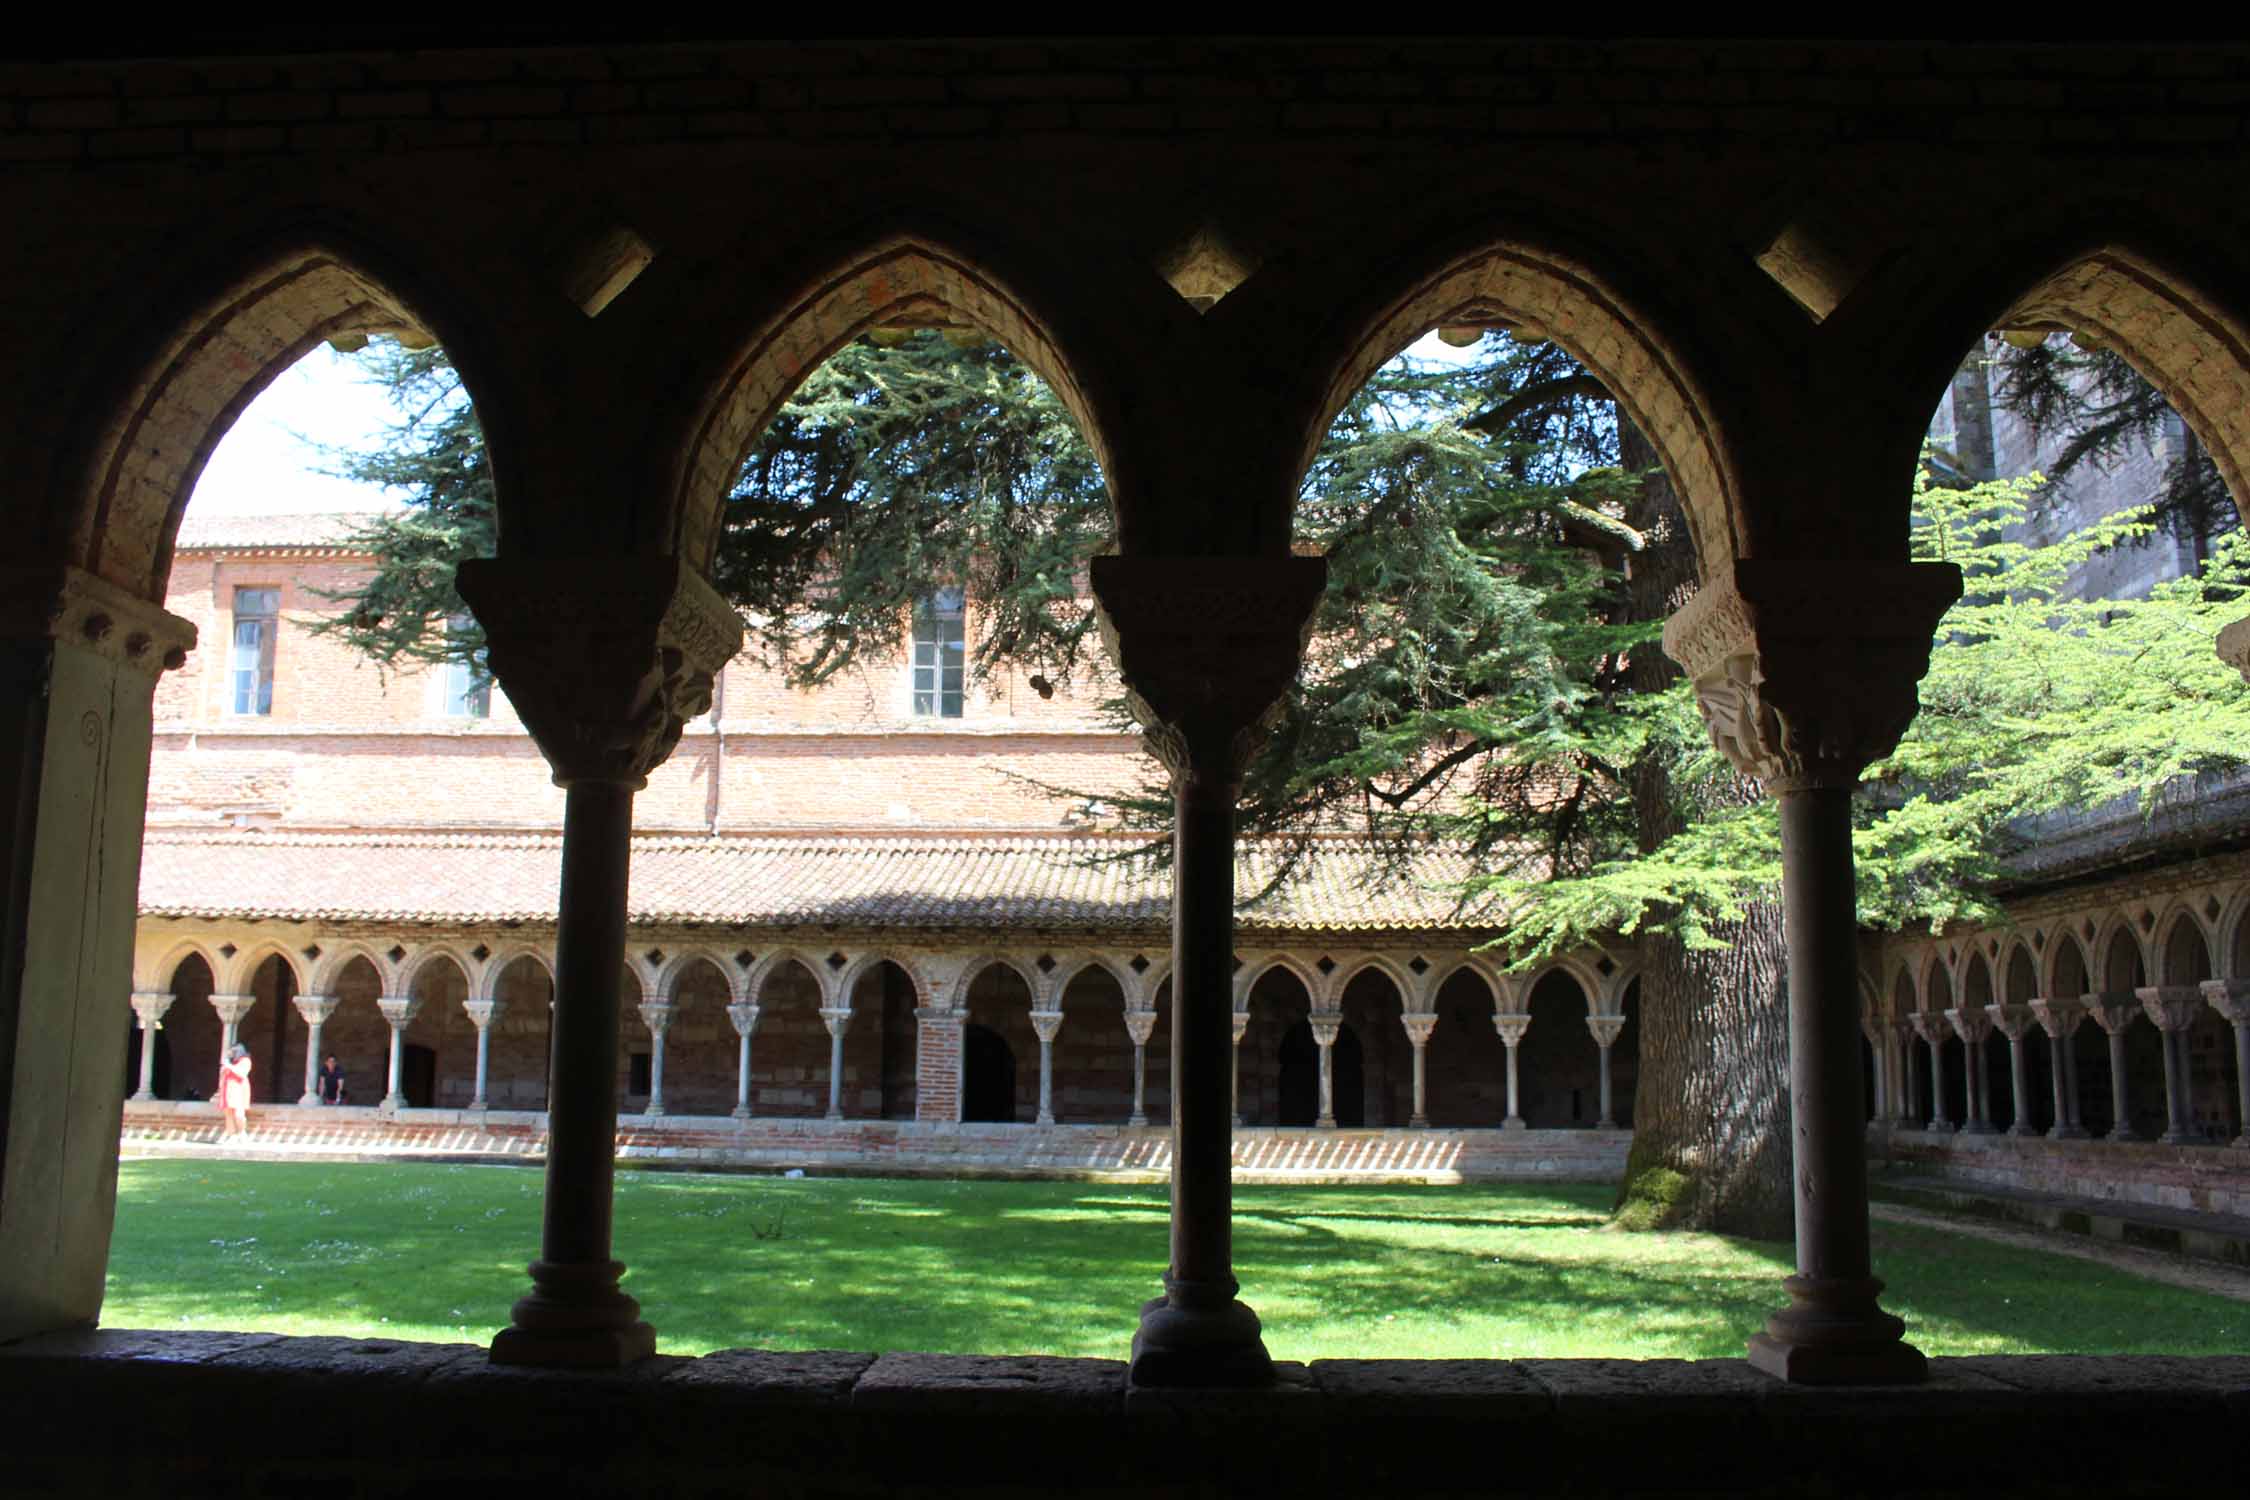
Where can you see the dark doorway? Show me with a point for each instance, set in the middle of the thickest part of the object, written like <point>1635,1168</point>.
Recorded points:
<point>160,1083</point>
<point>988,1077</point>
<point>1348,1078</point>
<point>417,1075</point>
<point>1299,1081</point>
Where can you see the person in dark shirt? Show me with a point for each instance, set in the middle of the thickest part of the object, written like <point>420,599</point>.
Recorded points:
<point>331,1081</point>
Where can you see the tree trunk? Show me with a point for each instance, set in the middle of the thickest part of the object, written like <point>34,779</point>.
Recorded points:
<point>1711,1109</point>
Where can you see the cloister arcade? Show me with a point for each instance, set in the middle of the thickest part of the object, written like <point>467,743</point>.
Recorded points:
<point>829,1029</point>
<point>1761,250</point>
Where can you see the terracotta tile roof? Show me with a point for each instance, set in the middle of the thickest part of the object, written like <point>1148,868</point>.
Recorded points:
<point>311,531</point>
<point>920,881</point>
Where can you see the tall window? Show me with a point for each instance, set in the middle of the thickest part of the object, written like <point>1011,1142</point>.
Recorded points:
<point>938,655</point>
<point>468,687</point>
<point>257,618</point>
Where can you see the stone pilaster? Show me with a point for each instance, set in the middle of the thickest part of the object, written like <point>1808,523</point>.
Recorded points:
<point>2060,1019</point>
<point>399,1012</point>
<point>315,1011</point>
<point>656,1015</point>
<point>1140,1025</point>
<point>1805,673</point>
<point>1512,1029</point>
<point>2015,1022</point>
<point>2231,999</point>
<point>149,1006</point>
<point>605,660</point>
<point>1606,1030</point>
<point>1418,1028</point>
<point>1047,1025</point>
<point>745,1019</point>
<point>1206,647</point>
<point>482,1013</point>
<point>2172,1008</point>
<point>79,659</point>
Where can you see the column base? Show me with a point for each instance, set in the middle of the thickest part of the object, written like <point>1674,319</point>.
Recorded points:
<point>1418,1122</point>
<point>1612,1124</point>
<point>305,1100</point>
<point>653,1111</point>
<point>2123,1133</point>
<point>1045,1119</point>
<point>1136,1119</point>
<point>392,1103</point>
<point>1980,1128</point>
<point>742,1111</point>
<point>2066,1133</point>
<point>2020,1128</point>
<point>577,1318</point>
<point>1513,1122</point>
<point>1325,1122</point>
<point>1940,1127</point>
<point>1198,1342</point>
<point>1834,1334</point>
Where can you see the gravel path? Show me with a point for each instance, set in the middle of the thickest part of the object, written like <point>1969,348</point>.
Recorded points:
<point>2153,1265</point>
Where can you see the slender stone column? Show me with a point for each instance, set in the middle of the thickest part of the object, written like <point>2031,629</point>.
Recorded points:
<point>656,1015</point>
<point>1973,1026</point>
<point>2014,1022</point>
<point>605,658</point>
<point>2231,999</point>
<point>2172,1007</point>
<point>1931,1027</point>
<point>1047,1025</point>
<point>1206,647</point>
<point>1418,1029</point>
<point>2059,1019</point>
<point>1140,1025</point>
<point>1324,1031</point>
<point>1805,672</point>
<point>315,1009</point>
<point>231,1009</point>
<point>2113,1012</point>
<point>1878,1104</point>
<point>150,1006</point>
<point>1512,1029</point>
<point>1240,1027</point>
<point>1910,1098</point>
<point>745,1019</point>
<point>838,1020</point>
<point>482,1013</point>
<point>1606,1030</point>
<point>399,1011</point>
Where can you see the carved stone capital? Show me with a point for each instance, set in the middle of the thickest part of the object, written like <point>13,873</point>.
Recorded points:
<point>2230,998</point>
<point>2113,1010</point>
<point>657,1015</point>
<point>1140,1025</point>
<point>1047,1025</point>
<point>482,1013</point>
<point>316,1009</point>
<point>70,605</point>
<point>2234,646</point>
<point>744,1017</point>
<point>1805,671</point>
<point>605,658</point>
<point>1324,1029</point>
<point>2171,1006</point>
<point>1206,647</point>
<point>1511,1028</point>
<point>2058,1017</point>
<point>1606,1029</point>
<point>232,1008</point>
<point>1418,1027</point>
<point>1931,1026</point>
<point>2011,1021</point>
<point>150,1006</point>
<point>399,1010</point>
<point>1970,1024</point>
<point>837,1018</point>
<point>1241,1026</point>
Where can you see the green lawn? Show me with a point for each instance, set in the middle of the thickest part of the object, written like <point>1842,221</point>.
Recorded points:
<point>437,1252</point>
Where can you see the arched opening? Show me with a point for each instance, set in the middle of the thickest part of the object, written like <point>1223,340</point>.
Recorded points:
<point>2038,1061</point>
<point>999,1000</point>
<point>160,1071</point>
<point>883,1005</point>
<point>1953,1057</point>
<point>1914,1098</point>
<point>1383,1092</point>
<point>519,1062</point>
<point>1093,1052</point>
<point>438,1051</point>
<point>988,1077</point>
<point>1558,1063</point>
<point>1296,1081</point>
<point>1157,1057</point>
<point>195,1030</point>
<point>1277,1003</point>
<point>1991,1054</point>
<point>2187,956</point>
<point>1468,1066</point>
<point>789,1052</point>
<point>699,1045</point>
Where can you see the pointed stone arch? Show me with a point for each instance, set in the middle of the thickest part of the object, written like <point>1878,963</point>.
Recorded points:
<point>2188,955</point>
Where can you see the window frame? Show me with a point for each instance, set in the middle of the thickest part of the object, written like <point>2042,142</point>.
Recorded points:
<point>940,624</point>
<point>250,690</point>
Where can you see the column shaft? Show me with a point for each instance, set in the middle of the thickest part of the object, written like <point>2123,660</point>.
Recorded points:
<point>742,1077</point>
<point>2179,1107</point>
<point>2120,1097</point>
<point>311,1094</point>
<point>1327,1117</point>
<point>1515,1108</point>
<point>1140,1085</point>
<point>835,1071</point>
<point>482,1098</point>
<point>1421,1115</point>
<point>392,1098</point>
<point>1046,1081</point>
<point>1606,1122</point>
<point>1938,1121</point>
<point>2019,1081</point>
<point>656,1071</point>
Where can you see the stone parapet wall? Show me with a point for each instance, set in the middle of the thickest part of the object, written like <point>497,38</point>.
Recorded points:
<point>2199,1179</point>
<point>893,1147</point>
<point>844,1425</point>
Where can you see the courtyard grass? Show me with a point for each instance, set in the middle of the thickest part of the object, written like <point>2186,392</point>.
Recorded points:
<point>437,1252</point>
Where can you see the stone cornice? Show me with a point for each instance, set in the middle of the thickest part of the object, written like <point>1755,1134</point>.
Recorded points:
<point>1805,670</point>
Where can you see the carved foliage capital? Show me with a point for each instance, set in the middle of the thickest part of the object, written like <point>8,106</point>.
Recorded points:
<point>2011,1021</point>
<point>1047,1024</point>
<point>74,607</point>
<point>1140,1025</point>
<point>606,659</point>
<point>1511,1028</point>
<point>232,1008</point>
<point>2229,997</point>
<point>1206,647</point>
<point>1970,1024</point>
<point>2171,1007</point>
<point>150,1006</point>
<point>399,1010</point>
<point>744,1017</point>
<point>1931,1027</point>
<point>1606,1029</point>
<point>657,1015</point>
<point>482,1013</point>
<point>2058,1017</point>
<point>316,1009</point>
<point>1805,671</point>
<point>1418,1027</point>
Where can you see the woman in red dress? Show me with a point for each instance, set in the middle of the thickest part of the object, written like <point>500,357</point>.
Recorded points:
<point>234,1090</point>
